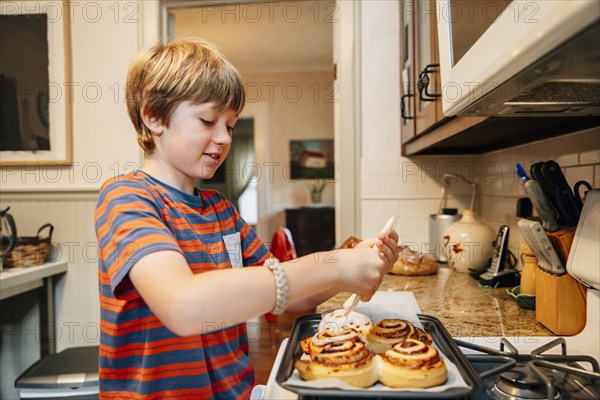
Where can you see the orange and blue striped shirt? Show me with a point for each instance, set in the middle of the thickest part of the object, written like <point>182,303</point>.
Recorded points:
<point>139,357</point>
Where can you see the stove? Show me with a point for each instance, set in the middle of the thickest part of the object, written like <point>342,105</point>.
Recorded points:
<point>541,374</point>
<point>515,368</point>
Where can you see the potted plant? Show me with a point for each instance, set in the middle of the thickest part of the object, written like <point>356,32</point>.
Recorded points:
<point>316,191</point>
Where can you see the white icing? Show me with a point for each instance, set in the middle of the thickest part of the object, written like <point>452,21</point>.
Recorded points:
<point>361,322</point>
<point>322,341</point>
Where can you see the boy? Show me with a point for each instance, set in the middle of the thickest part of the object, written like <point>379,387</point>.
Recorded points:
<point>174,287</point>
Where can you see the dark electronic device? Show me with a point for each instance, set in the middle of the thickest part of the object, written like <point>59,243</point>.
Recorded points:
<point>498,273</point>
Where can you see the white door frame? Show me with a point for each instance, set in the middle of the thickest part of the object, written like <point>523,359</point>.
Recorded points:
<point>259,112</point>
<point>346,120</point>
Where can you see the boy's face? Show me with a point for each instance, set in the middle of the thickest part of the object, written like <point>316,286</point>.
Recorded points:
<point>197,139</point>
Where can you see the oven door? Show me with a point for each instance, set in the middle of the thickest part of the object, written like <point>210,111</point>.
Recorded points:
<point>483,45</point>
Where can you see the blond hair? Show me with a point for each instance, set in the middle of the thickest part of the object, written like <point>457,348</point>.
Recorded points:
<point>165,74</point>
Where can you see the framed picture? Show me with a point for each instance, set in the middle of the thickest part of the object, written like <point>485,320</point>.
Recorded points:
<point>311,159</point>
<point>35,83</point>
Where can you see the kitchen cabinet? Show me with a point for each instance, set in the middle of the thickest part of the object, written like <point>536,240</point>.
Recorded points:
<point>421,84</point>
<point>312,228</point>
<point>424,127</point>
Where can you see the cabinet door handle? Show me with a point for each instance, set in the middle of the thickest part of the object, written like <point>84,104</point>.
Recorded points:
<point>403,107</point>
<point>423,83</point>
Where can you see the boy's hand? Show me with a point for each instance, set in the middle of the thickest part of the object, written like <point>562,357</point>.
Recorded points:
<point>387,245</point>
<point>364,267</point>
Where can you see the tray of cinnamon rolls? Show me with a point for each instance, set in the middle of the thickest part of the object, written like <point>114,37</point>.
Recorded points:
<point>332,355</point>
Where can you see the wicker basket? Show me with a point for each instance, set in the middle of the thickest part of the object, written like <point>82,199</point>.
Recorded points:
<point>30,251</point>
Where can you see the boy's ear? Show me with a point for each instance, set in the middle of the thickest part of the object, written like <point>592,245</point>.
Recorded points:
<point>154,123</point>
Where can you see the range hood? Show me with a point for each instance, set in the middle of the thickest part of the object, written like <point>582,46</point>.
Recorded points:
<point>543,62</point>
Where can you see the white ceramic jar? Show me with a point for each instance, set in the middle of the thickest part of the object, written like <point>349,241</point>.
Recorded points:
<point>468,243</point>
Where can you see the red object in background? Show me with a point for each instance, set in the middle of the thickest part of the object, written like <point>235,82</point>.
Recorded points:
<point>282,248</point>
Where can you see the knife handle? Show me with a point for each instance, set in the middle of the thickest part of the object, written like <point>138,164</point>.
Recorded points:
<point>541,204</point>
<point>547,249</point>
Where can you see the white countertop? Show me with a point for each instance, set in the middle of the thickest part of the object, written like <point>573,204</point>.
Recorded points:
<point>18,280</point>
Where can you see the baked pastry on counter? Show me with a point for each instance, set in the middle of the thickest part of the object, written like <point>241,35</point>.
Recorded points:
<point>350,243</point>
<point>349,361</point>
<point>388,332</point>
<point>411,363</point>
<point>358,321</point>
<point>412,263</point>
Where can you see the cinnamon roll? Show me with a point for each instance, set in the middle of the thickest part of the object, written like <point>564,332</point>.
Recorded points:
<point>422,336</point>
<point>358,321</point>
<point>314,345</point>
<point>387,332</point>
<point>411,364</point>
<point>349,361</point>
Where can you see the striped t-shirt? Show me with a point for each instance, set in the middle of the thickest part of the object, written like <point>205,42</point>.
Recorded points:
<point>139,357</point>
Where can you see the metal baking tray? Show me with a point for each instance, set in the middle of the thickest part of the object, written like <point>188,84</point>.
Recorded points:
<point>308,325</point>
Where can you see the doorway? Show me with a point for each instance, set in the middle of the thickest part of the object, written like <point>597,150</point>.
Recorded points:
<point>217,19</point>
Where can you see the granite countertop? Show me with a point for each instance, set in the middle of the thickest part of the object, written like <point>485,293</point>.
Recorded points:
<point>463,308</point>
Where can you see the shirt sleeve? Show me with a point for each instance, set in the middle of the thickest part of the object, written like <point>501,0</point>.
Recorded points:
<point>129,226</point>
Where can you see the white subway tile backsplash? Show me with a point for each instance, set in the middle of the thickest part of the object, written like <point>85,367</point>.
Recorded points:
<point>574,174</point>
<point>370,186</point>
<point>381,166</point>
<point>379,209</point>
<point>393,186</point>
<point>418,208</point>
<point>407,227</point>
<point>591,156</point>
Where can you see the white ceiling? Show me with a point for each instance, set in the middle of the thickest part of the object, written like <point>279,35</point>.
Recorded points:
<point>268,37</point>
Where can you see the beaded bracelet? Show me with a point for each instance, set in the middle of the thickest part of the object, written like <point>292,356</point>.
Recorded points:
<point>281,285</point>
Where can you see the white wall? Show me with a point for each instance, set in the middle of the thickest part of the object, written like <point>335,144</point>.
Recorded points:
<point>105,36</point>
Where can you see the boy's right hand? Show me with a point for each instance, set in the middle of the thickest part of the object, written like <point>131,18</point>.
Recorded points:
<point>362,269</point>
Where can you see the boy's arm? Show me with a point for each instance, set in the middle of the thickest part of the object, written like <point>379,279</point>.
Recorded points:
<point>191,304</point>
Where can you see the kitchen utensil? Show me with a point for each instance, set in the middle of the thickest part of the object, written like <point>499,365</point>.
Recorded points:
<point>467,243</point>
<point>307,326</point>
<point>577,191</point>
<point>352,301</point>
<point>567,206</point>
<point>536,174</point>
<point>541,246</point>
<point>538,198</point>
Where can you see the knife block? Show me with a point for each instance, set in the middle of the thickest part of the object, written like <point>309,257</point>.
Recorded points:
<point>560,300</point>
<point>560,303</point>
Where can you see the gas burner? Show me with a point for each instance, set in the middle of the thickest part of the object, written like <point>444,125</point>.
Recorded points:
<point>519,383</point>
<point>508,375</point>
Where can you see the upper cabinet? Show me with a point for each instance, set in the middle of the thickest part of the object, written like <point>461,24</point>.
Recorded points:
<point>424,127</point>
